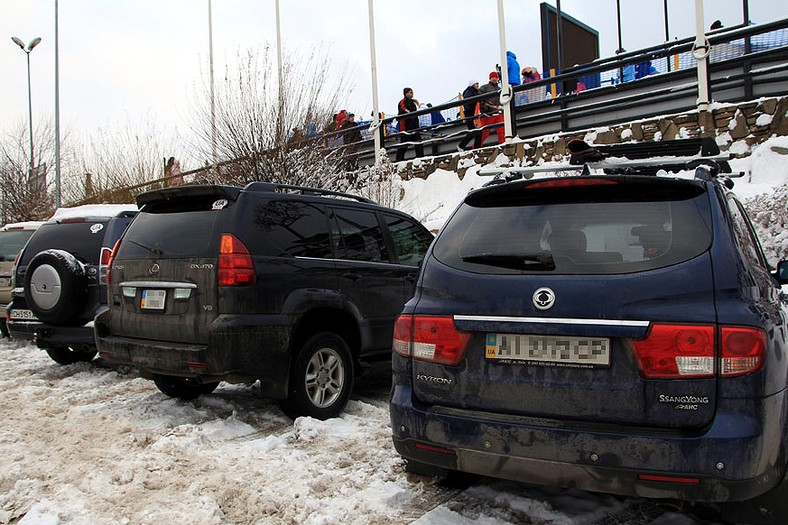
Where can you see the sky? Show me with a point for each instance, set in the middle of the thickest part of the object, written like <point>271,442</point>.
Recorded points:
<point>123,61</point>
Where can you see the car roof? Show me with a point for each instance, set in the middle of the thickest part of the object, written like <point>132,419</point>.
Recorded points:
<point>26,225</point>
<point>97,211</point>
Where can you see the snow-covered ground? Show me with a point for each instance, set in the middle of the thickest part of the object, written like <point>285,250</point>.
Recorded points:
<point>83,444</point>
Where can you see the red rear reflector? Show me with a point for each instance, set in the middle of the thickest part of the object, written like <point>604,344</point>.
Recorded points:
<point>236,267</point>
<point>439,450</point>
<point>569,181</point>
<point>676,351</point>
<point>743,350</point>
<point>669,479</point>
<point>430,339</point>
<point>196,366</point>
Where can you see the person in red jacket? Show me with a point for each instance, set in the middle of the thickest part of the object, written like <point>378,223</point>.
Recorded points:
<point>408,126</point>
<point>491,112</point>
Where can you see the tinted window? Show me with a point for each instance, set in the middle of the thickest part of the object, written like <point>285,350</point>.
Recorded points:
<point>747,240</point>
<point>290,228</point>
<point>11,242</point>
<point>411,240</point>
<point>81,239</point>
<point>358,236</point>
<point>168,234</point>
<point>613,228</point>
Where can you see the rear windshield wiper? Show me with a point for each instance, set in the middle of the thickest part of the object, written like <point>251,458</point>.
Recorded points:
<point>527,261</point>
<point>154,251</point>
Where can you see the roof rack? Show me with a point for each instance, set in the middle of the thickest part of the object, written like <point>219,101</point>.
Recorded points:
<point>630,159</point>
<point>303,190</point>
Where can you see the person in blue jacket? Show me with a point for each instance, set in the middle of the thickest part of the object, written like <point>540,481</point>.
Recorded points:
<point>513,68</point>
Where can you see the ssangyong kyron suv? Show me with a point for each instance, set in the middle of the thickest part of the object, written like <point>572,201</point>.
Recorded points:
<point>620,333</point>
<point>296,287</point>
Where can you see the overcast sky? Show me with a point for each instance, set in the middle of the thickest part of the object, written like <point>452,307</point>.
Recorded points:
<point>124,59</point>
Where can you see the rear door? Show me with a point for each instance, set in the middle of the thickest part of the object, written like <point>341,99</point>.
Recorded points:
<point>574,299</point>
<point>163,276</point>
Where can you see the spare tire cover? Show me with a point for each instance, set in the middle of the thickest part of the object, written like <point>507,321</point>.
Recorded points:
<point>55,286</point>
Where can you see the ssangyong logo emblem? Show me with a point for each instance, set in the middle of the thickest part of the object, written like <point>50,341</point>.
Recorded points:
<point>153,269</point>
<point>544,298</point>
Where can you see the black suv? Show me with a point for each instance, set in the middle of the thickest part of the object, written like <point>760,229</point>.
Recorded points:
<point>60,280</point>
<point>615,331</point>
<point>293,286</point>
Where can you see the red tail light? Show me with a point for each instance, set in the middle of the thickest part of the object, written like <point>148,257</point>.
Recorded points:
<point>676,351</point>
<point>688,351</point>
<point>107,257</point>
<point>235,264</point>
<point>743,350</point>
<point>430,339</point>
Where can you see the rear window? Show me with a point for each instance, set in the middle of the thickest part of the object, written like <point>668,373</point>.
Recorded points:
<point>11,242</point>
<point>169,234</point>
<point>630,226</point>
<point>82,239</point>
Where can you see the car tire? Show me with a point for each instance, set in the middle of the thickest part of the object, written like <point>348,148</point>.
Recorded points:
<point>64,355</point>
<point>321,378</point>
<point>185,388</point>
<point>55,286</point>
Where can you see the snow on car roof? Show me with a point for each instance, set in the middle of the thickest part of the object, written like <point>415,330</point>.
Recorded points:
<point>93,210</point>
<point>25,225</point>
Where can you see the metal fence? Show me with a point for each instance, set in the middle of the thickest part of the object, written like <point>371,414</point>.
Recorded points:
<point>745,62</point>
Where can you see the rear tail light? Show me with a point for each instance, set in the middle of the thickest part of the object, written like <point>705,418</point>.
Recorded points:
<point>107,257</point>
<point>236,267</point>
<point>689,351</point>
<point>743,350</point>
<point>433,339</point>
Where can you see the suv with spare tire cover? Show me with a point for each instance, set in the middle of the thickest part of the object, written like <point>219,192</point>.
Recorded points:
<point>618,331</point>
<point>295,287</point>
<point>60,280</point>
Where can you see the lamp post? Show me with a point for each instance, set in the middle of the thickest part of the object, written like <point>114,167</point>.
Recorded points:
<point>33,43</point>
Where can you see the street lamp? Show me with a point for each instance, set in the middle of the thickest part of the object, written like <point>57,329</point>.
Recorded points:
<point>33,43</point>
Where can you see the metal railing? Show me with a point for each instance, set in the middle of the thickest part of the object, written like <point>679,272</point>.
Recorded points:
<point>746,62</point>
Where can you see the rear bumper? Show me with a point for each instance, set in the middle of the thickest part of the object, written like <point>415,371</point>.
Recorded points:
<point>738,458</point>
<point>241,348</point>
<point>48,336</point>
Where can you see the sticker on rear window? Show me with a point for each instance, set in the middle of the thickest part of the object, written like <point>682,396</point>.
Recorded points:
<point>218,205</point>
<point>96,228</point>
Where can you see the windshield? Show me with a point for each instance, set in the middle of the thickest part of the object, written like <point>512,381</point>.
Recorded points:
<point>11,242</point>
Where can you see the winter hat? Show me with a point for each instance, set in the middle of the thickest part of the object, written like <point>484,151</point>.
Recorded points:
<point>472,82</point>
<point>494,75</point>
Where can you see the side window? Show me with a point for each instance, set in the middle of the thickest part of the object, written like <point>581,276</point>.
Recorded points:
<point>411,240</point>
<point>293,228</point>
<point>358,236</point>
<point>748,240</point>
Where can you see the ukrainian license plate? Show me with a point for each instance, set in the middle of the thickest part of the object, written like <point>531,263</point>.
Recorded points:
<point>23,314</point>
<point>5,282</point>
<point>153,299</point>
<point>584,351</point>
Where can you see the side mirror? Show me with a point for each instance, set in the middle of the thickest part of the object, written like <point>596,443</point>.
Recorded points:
<point>782,272</point>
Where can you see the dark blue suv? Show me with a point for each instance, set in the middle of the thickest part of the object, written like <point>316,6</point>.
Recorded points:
<point>618,332</point>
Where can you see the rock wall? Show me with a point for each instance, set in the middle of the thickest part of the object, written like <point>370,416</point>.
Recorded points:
<point>753,122</point>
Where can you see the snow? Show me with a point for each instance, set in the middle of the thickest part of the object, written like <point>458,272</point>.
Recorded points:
<point>82,444</point>
<point>93,210</point>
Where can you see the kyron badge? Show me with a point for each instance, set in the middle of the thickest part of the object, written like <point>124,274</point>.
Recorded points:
<point>544,298</point>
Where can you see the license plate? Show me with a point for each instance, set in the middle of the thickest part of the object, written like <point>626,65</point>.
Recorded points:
<point>5,282</point>
<point>153,299</point>
<point>584,351</point>
<point>22,314</point>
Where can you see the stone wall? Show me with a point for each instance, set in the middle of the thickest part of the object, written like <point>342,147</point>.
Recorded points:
<point>753,122</point>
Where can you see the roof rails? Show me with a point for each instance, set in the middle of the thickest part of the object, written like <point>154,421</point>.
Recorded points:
<point>644,158</point>
<point>303,190</point>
